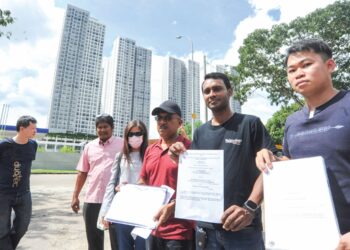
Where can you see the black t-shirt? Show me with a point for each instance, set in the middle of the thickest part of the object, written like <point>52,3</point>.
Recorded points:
<point>15,166</point>
<point>241,137</point>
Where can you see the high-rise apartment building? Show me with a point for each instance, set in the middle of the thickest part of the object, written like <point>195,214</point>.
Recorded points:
<point>127,83</point>
<point>76,94</point>
<point>177,81</point>
<point>174,81</point>
<point>192,85</point>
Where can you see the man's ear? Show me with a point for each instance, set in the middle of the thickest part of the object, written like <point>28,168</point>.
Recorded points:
<point>230,92</point>
<point>180,122</point>
<point>331,65</point>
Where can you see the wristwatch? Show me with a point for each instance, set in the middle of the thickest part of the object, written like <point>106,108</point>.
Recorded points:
<point>251,206</point>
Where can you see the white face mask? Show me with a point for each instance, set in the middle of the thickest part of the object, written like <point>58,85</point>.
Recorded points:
<point>135,141</point>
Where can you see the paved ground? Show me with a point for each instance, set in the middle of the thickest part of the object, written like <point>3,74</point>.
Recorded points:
<point>54,225</point>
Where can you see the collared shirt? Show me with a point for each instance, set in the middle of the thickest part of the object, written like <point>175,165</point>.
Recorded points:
<point>158,169</point>
<point>97,160</point>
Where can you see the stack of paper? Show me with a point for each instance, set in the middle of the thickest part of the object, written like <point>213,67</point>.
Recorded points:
<point>136,205</point>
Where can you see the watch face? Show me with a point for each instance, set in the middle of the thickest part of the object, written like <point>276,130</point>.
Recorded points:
<point>251,204</point>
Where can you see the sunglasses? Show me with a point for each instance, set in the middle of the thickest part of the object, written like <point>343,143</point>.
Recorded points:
<point>131,134</point>
<point>165,118</point>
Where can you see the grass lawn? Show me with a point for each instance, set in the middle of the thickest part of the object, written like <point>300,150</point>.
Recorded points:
<point>53,171</point>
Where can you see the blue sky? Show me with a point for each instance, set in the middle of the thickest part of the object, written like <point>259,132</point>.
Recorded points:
<point>156,23</point>
<point>217,28</point>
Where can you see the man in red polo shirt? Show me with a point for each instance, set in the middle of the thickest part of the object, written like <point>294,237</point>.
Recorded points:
<point>158,169</point>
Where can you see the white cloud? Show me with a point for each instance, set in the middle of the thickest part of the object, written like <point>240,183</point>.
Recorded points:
<point>28,59</point>
<point>256,104</point>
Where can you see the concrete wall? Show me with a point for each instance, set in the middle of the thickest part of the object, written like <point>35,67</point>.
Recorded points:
<point>56,160</point>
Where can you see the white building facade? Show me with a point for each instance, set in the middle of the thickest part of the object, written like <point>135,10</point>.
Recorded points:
<point>76,95</point>
<point>126,88</point>
<point>177,79</point>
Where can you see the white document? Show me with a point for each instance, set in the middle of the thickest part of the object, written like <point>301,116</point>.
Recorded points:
<point>136,205</point>
<point>200,186</point>
<point>141,232</point>
<point>299,212</point>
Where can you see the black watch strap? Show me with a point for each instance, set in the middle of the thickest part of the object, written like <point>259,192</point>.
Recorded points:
<point>251,206</point>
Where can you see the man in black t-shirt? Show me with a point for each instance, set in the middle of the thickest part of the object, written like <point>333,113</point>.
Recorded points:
<point>241,137</point>
<point>16,156</point>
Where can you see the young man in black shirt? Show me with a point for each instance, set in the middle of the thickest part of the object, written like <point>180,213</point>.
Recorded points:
<point>241,137</point>
<point>16,156</point>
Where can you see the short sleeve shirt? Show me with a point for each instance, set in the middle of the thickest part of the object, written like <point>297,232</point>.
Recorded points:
<point>15,166</point>
<point>97,160</point>
<point>326,134</point>
<point>241,137</point>
<point>158,169</point>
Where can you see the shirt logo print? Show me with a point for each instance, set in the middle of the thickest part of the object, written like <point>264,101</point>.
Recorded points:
<point>317,130</point>
<point>17,174</point>
<point>234,141</point>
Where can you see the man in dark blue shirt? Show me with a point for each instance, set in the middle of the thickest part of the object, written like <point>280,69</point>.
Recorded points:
<point>16,156</point>
<point>322,127</point>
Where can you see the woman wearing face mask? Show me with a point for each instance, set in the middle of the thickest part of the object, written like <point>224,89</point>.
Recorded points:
<point>126,169</point>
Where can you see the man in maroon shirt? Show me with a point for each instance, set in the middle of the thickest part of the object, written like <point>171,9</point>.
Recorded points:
<point>158,169</point>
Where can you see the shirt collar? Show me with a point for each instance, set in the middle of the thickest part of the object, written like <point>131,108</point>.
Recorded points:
<point>109,141</point>
<point>178,138</point>
<point>318,109</point>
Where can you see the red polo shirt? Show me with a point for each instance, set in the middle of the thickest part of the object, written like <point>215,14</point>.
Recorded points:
<point>158,169</point>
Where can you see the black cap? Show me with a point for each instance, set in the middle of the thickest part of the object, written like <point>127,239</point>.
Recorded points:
<point>168,107</point>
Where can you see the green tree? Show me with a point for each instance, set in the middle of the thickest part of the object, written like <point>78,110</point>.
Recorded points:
<point>188,127</point>
<point>275,125</point>
<point>5,19</point>
<point>262,54</point>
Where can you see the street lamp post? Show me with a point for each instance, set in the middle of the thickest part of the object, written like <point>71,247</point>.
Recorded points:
<point>192,85</point>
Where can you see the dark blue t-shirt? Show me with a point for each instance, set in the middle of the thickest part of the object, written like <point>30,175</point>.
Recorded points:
<point>326,134</point>
<point>15,166</point>
<point>241,137</point>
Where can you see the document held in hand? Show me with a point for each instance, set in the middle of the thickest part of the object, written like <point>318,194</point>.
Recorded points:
<point>136,205</point>
<point>200,186</point>
<point>299,212</point>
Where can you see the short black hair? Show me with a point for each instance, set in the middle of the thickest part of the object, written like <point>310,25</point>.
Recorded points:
<point>218,75</point>
<point>104,118</point>
<point>24,121</point>
<point>312,44</point>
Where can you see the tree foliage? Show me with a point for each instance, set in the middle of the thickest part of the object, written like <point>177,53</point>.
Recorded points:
<point>188,127</point>
<point>262,54</point>
<point>275,125</point>
<point>5,19</point>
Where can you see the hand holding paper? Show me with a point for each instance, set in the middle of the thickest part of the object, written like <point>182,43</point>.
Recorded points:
<point>126,204</point>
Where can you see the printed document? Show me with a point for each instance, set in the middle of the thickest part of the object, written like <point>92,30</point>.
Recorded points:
<point>136,205</point>
<point>200,186</point>
<point>299,212</point>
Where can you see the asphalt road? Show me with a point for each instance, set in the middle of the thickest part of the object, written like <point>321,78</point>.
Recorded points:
<point>54,225</point>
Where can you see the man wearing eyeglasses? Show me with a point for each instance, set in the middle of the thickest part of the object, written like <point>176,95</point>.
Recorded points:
<point>158,169</point>
<point>95,165</point>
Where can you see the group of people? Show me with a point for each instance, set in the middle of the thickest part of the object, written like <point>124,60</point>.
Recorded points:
<point>109,162</point>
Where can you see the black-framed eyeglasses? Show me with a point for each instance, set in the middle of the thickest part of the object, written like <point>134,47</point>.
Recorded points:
<point>131,134</point>
<point>165,118</point>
